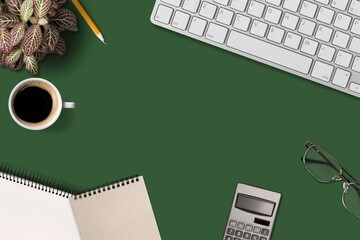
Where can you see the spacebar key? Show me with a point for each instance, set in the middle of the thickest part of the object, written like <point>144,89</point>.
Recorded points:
<point>269,52</point>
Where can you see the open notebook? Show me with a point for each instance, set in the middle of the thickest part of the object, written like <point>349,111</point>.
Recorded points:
<point>34,211</point>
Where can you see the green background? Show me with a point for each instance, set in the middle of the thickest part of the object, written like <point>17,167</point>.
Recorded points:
<point>194,120</point>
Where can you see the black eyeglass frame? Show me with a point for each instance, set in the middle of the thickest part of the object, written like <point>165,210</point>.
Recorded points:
<point>343,175</point>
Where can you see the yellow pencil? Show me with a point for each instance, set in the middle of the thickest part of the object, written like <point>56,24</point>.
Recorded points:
<point>88,19</point>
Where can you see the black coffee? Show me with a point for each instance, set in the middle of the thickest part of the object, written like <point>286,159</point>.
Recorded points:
<point>33,104</point>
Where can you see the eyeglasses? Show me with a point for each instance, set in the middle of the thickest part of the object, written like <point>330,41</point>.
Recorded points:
<point>325,168</point>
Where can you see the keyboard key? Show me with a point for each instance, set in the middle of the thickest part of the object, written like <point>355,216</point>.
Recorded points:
<point>324,33</point>
<point>246,235</point>
<point>341,78</point>
<point>291,5</point>
<point>308,9</point>
<point>356,27</point>
<point>254,237</point>
<point>175,3</point>
<point>356,65</point>
<point>259,28</point>
<point>227,237</point>
<point>225,16</point>
<point>241,226</point>
<point>197,26</point>
<point>323,1</point>
<point>181,20</point>
<point>216,33</point>
<point>355,8</point>
<point>326,53</point>
<point>265,232</point>
<point>323,72</point>
<point>232,223</point>
<point>238,233</point>
<point>325,15</point>
<point>341,39</point>
<point>191,5</point>
<point>342,21</point>
<point>239,5</point>
<point>355,45</point>
<point>275,2</point>
<point>292,40</point>
<point>307,27</point>
<point>270,52</point>
<point>343,59</point>
<point>163,14</point>
<point>242,22</point>
<point>257,230</point>
<point>230,231</point>
<point>309,46</point>
<point>276,34</point>
<point>290,21</point>
<point>256,9</point>
<point>263,238</point>
<point>273,15</point>
<point>340,4</point>
<point>223,2</point>
<point>354,87</point>
<point>208,10</point>
<point>248,227</point>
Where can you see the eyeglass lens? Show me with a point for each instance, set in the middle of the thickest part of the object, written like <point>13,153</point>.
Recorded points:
<point>351,199</point>
<point>321,164</point>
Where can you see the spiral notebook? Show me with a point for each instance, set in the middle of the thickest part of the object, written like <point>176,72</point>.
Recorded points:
<point>35,208</point>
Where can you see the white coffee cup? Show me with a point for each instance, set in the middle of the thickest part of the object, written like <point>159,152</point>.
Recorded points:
<point>36,104</point>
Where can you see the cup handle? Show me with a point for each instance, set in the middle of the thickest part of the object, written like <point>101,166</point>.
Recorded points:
<point>69,105</point>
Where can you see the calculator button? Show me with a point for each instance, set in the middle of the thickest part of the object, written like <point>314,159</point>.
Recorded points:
<point>230,231</point>
<point>232,223</point>
<point>238,233</point>
<point>249,227</point>
<point>227,237</point>
<point>241,226</point>
<point>254,237</point>
<point>265,232</point>
<point>263,238</point>
<point>246,235</point>
<point>257,230</point>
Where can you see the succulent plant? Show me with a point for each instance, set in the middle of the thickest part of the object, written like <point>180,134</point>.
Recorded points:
<point>30,29</point>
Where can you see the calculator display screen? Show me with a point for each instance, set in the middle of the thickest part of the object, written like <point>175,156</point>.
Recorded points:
<point>254,205</point>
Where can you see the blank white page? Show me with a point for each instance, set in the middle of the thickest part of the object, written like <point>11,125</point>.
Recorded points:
<point>122,213</point>
<point>29,213</point>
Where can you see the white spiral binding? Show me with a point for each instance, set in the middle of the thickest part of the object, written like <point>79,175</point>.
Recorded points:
<point>34,185</point>
<point>106,188</point>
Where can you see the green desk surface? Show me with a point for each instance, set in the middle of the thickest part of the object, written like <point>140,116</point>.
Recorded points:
<point>194,120</point>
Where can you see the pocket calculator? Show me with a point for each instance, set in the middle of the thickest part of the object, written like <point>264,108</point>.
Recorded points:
<point>252,214</point>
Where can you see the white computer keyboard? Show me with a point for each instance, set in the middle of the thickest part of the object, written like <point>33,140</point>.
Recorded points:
<point>315,39</point>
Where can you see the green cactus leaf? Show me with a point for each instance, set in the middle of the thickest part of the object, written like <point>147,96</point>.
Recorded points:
<point>26,10</point>
<point>32,40</point>
<point>8,20</point>
<point>51,36</point>
<point>31,65</point>
<point>14,6</point>
<point>60,47</point>
<point>13,57</point>
<point>42,7</point>
<point>65,19</point>
<point>5,41</point>
<point>17,34</point>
